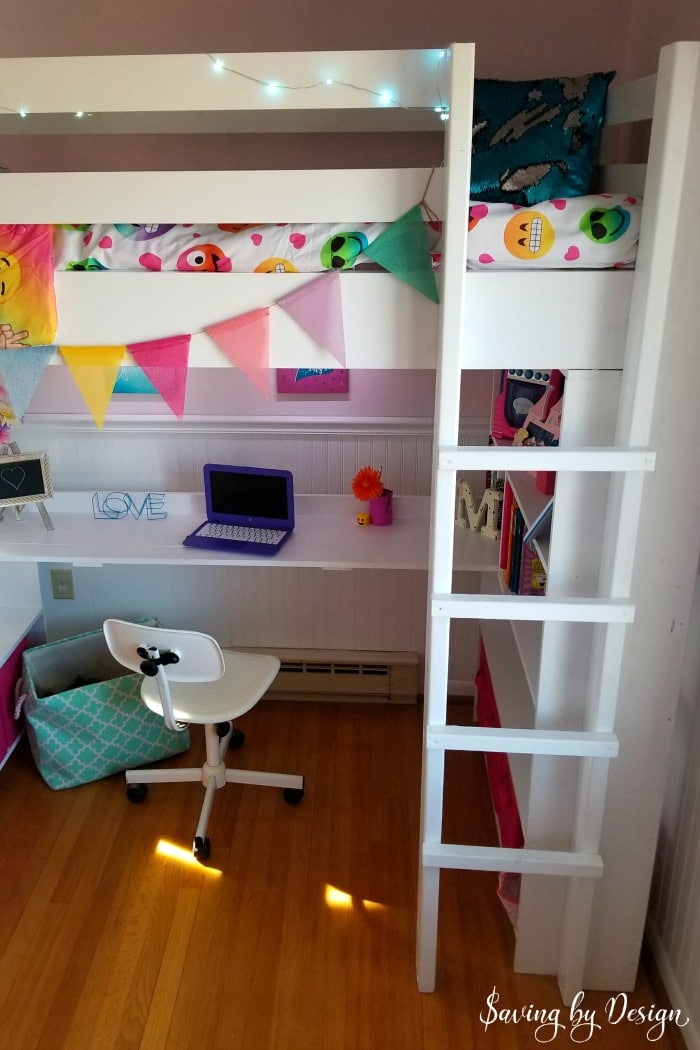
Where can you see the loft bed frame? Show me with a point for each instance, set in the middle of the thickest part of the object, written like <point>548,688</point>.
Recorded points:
<point>387,324</point>
<point>644,322</point>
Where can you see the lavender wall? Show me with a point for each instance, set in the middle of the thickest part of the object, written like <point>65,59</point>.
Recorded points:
<point>542,37</point>
<point>512,40</point>
<point>226,394</point>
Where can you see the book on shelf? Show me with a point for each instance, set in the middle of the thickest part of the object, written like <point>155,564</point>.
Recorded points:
<point>542,523</point>
<point>506,537</point>
<point>533,577</point>
<point>520,564</point>
<point>514,510</point>
<point>517,550</point>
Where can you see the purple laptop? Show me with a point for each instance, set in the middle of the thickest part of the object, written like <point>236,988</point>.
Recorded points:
<point>249,509</point>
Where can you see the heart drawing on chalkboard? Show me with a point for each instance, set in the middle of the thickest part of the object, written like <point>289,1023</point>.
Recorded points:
<point>13,476</point>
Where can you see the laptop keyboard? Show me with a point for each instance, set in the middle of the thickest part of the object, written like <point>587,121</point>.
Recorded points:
<point>242,533</point>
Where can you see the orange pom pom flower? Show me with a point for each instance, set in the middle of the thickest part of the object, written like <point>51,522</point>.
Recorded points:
<point>367,483</point>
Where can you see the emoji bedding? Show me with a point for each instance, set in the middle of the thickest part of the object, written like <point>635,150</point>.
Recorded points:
<point>27,302</point>
<point>590,232</point>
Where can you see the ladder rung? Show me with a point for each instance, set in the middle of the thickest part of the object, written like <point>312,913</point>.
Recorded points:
<point>500,858</point>
<point>523,741</point>
<point>496,457</point>
<point>524,607</point>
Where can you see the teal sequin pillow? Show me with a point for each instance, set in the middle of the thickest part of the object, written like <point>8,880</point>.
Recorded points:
<point>536,140</point>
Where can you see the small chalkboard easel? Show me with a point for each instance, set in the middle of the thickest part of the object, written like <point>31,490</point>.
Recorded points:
<point>24,478</point>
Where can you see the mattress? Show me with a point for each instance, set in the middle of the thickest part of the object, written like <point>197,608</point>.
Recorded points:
<point>590,232</point>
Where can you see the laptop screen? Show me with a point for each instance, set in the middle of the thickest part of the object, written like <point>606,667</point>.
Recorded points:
<point>249,496</point>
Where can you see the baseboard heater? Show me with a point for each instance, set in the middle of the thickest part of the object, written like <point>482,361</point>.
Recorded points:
<point>344,674</point>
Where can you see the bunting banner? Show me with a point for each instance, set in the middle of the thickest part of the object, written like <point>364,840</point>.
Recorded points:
<point>246,342</point>
<point>403,249</point>
<point>164,362</point>
<point>317,307</point>
<point>94,370</point>
<point>21,371</point>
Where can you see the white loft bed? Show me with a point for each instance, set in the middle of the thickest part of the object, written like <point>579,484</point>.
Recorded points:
<point>585,320</point>
<point>387,325</point>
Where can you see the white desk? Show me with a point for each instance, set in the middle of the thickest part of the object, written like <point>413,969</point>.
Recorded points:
<point>326,536</point>
<point>134,557</point>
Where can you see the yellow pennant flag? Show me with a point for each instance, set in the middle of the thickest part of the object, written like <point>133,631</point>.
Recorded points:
<point>94,370</point>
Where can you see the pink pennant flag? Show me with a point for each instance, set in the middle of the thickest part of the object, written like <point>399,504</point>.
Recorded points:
<point>165,363</point>
<point>318,308</point>
<point>246,342</point>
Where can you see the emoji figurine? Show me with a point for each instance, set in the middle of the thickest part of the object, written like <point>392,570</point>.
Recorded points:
<point>363,518</point>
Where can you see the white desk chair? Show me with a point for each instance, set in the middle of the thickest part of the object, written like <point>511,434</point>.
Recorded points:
<point>189,680</point>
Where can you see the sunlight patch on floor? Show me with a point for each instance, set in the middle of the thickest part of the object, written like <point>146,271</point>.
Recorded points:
<point>336,898</point>
<point>173,852</point>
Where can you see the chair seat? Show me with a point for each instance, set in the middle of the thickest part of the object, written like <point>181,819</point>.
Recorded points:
<point>246,677</point>
<point>189,679</point>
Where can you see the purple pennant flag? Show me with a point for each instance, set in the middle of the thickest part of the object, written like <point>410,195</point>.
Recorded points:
<point>317,307</point>
<point>21,372</point>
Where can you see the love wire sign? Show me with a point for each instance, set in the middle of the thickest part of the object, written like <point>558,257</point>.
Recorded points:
<point>115,505</point>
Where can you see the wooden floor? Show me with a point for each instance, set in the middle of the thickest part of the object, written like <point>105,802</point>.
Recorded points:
<point>300,933</point>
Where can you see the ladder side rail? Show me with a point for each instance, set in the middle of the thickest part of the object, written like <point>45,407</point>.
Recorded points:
<point>460,63</point>
<point>653,400</point>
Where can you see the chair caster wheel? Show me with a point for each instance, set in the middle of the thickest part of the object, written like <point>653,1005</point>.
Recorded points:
<point>136,792</point>
<point>292,796</point>
<point>237,739</point>
<point>201,848</point>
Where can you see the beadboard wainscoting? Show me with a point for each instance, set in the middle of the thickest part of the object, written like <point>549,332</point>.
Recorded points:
<point>165,456</point>
<point>285,607</point>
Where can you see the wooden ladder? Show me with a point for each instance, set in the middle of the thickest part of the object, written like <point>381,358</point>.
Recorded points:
<point>628,463</point>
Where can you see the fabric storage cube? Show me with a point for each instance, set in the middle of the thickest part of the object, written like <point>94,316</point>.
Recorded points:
<point>84,716</point>
<point>505,804</point>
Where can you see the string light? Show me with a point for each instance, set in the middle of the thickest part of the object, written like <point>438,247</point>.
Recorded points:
<point>24,113</point>
<point>273,87</point>
<point>442,108</point>
<point>384,97</point>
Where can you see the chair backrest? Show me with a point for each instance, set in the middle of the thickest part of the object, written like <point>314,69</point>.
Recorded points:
<point>200,656</point>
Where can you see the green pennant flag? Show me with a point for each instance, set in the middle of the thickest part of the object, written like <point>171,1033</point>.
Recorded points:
<point>403,250</point>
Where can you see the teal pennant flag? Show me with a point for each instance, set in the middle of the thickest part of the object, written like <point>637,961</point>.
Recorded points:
<point>403,250</point>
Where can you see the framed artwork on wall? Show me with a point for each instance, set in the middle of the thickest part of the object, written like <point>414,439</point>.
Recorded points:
<point>312,380</point>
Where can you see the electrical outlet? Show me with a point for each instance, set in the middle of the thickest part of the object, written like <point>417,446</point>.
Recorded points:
<point>62,583</point>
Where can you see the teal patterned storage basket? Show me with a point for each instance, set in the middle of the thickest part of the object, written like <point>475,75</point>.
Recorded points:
<point>84,716</point>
